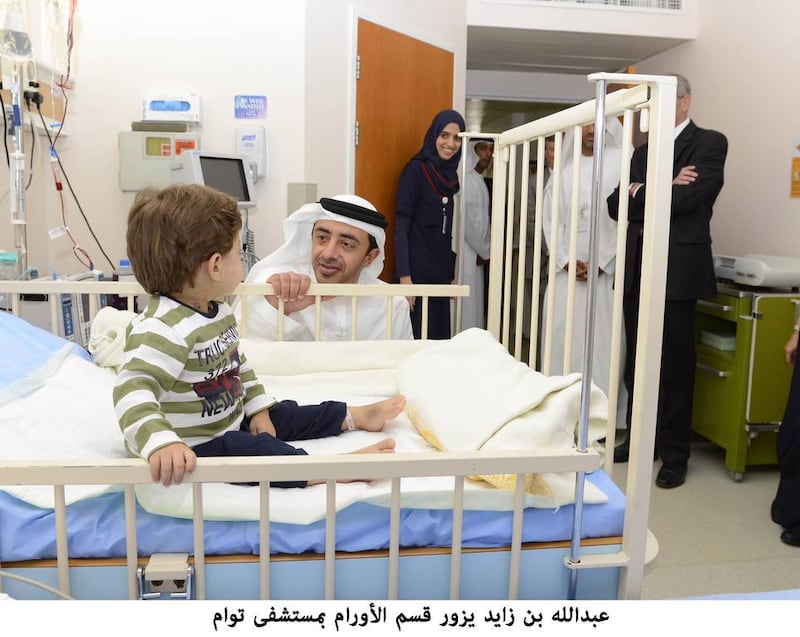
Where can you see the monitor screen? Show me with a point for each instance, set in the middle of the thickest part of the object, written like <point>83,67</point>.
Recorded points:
<point>226,173</point>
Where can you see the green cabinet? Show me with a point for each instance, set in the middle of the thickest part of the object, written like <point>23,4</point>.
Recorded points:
<point>742,379</point>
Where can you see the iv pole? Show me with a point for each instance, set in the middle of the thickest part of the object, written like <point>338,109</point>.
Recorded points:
<point>16,177</point>
<point>15,48</point>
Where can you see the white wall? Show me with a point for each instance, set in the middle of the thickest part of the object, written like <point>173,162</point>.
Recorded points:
<point>125,49</point>
<point>297,53</point>
<point>742,70</point>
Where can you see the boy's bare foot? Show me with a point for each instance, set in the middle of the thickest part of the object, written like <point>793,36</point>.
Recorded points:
<point>374,416</point>
<point>382,446</point>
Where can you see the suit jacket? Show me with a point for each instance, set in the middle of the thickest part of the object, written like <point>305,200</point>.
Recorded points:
<point>690,265</point>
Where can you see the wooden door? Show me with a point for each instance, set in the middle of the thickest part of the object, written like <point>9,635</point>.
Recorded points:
<point>401,84</point>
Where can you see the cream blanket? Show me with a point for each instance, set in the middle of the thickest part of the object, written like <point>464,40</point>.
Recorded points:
<point>71,416</point>
<point>470,394</point>
<point>107,336</point>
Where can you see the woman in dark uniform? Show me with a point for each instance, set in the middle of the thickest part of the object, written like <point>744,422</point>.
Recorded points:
<point>424,222</point>
<point>786,506</point>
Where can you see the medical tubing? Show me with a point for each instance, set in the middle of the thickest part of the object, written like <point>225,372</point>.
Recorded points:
<point>250,240</point>
<point>5,125</point>
<point>69,185</point>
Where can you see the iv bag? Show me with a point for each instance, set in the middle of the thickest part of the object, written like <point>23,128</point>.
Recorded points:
<point>15,43</point>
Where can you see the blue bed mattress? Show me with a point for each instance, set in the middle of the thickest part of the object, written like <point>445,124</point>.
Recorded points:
<point>97,528</point>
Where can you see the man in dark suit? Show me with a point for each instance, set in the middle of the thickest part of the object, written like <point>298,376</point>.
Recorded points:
<point>698,177</point>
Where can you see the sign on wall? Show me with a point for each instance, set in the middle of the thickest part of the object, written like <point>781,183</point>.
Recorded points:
<point>250,106</point>
<point>795,187</point>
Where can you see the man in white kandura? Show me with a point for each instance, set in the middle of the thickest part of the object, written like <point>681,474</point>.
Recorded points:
<point>335,240</point>
<point>605,254</point>
<point>477,235</point>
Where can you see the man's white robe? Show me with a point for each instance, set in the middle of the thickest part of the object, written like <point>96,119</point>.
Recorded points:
<point>605,262</point>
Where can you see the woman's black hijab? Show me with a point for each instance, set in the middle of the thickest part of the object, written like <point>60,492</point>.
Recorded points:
<point>444,172</point>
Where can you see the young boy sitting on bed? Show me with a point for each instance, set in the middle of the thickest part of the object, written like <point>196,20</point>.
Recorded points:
<point>184,388</point>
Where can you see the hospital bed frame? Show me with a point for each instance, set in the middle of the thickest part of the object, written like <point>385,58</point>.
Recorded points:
<point>654,97</point>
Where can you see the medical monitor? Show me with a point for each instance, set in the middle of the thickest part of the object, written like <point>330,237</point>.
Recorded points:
<point>227,173</point>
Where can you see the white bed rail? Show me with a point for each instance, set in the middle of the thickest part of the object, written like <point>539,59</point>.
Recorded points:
<point>130,472</point>
<point>13,295</point>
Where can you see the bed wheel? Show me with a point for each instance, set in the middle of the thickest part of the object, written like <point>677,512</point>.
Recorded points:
<point>737,476</point>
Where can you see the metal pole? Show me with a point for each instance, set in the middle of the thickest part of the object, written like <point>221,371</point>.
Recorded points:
<point>586,386</point>
<point>459,215</point>
<point>16,178</point>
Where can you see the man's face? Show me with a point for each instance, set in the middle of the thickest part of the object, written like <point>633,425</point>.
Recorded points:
<point>587,139</point>
<point>484,151</point>
<point>339,252</point>
<point>682,108</point>
<point>550,153</point>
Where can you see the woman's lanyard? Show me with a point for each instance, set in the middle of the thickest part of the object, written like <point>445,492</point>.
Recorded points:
<point>439,194</point>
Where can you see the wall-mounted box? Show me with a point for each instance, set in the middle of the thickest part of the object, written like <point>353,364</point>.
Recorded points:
<point>161,107</point>
<point>145,157</point>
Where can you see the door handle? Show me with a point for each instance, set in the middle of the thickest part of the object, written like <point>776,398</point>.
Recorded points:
<point>713,371</point>
<point>714,306</point>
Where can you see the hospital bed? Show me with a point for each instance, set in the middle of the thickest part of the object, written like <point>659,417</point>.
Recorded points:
<point>429,522</point>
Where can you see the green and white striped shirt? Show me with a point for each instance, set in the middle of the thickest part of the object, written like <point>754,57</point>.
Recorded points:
<point>183,378</point>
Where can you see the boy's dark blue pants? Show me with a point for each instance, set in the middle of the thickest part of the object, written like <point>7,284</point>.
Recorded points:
<point>291,421</point>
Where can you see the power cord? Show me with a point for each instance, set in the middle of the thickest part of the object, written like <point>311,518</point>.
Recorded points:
<point>54,156</point>
<point>36,97</point>
<point>5,126</point>
<point>33,582</point>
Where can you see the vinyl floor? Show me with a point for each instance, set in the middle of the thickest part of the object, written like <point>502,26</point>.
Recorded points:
<point>715,535</point>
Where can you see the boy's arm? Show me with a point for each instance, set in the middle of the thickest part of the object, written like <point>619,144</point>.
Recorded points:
<point>140,382</point>
<point>256,398</point>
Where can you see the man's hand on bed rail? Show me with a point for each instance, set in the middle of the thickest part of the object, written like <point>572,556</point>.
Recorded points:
<point>292,289</point>
<point>170,463</point>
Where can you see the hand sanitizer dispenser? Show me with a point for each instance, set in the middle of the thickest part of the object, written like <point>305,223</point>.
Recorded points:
<point>251,142</point>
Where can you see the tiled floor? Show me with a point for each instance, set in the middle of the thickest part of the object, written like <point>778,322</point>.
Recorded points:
<point>715,535</point>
